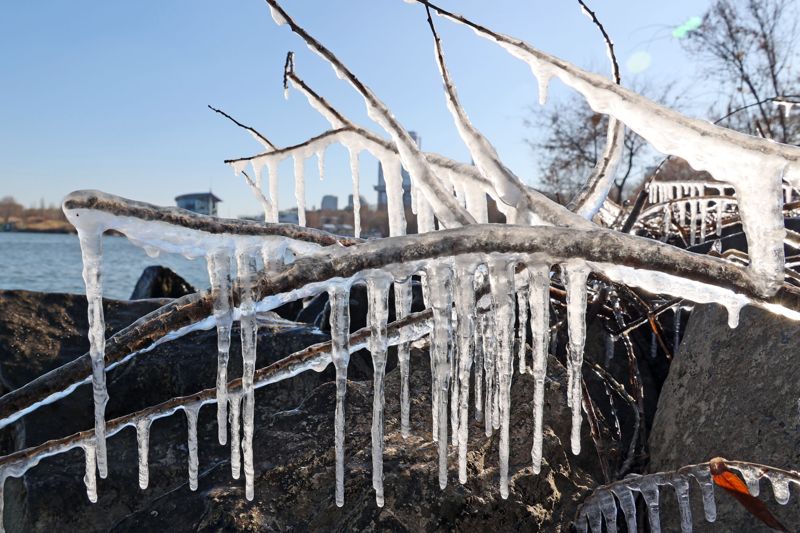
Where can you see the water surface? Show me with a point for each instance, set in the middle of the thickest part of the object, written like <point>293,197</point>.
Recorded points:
<point>52,263</point>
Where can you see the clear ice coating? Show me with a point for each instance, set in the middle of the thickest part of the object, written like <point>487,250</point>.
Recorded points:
<point>219,274</point>
<point>464,298</point>
<point>248,324</point>
<point>576,274</point>
<point>539,300</point>
<point>191,427</point>
<point>91,239</point>
<point>439,277</point>
<point>378,285</point>
<point>339,295</point>
<point>143,447</point>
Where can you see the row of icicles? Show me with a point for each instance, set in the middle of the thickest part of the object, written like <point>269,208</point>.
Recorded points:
<point>690,204</point>
<point>462,343</point>
<point>601,506</point>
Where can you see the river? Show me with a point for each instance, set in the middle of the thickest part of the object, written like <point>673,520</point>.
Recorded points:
<point>52,263</point>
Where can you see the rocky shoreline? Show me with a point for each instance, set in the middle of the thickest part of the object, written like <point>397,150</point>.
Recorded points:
<point>294,460</point>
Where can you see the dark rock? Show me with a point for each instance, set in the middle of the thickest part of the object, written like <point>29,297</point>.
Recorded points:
<point>160,282</point>
<point>294,460</point>
<point>731,393</point>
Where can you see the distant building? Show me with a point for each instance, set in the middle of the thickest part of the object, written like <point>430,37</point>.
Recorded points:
<point>204,203</point>
<point>288,216</point>
<point>330,203</point>
<point>350,202</point>
<point>381,186</point>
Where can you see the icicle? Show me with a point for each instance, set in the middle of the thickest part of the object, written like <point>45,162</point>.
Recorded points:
<point>248,324</point>
<point>476,204</point>
<point>355,173</point>
<point>752,478</point>
<point>608,508</point>
<point>378,313</point>
<point>676,328</point>
<point>477,340</point>
<point>780,487</point>
<point>681,213</point>
<point>300,184</point>
<point>628,505</point>
<point>340,353</point>
<point>703,477</point>
<point>394,196</point>
<point>539,299</point>
<point>191,425</point>
<point>91,240</point>
<point>667,221</point>
<point>488,370</point>
<point>610,341</point>
<point>501,280</point>
<point>440,285</point>
<point>703,216</point>
<point>465,308</point>
<point>143,446</point>
<point>425,219</point>
<point>219,274</point>
<point>692,222</point>
<point>649,491</point>
<point>720,209</point>
<point>653,345</point>
<point>402,300</point>
<point>576,274</point>
<point>272,166</point>
<point>522,330</point>
<point>235,400</point>
<point>90,478</point>
<point>681,486</point>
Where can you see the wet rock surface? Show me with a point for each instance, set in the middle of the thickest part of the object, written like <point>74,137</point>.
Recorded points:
<point>731,393</point>
<point>160,282</point>
<point>294,458</point>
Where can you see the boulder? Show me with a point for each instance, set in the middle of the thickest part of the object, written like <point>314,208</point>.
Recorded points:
<point>160,282</point>
<point>731,393</point>
<point>294,458</point>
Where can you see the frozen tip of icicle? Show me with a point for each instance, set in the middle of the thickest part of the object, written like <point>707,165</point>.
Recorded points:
<point>238,167</point>
<point>286,93</point>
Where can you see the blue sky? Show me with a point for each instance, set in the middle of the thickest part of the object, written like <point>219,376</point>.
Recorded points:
<point>113,95</point>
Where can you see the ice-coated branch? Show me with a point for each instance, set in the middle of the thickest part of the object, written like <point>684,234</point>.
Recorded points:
<point>126,210</point>
<point>468,175</point>
<point>315,357</point>
<point>754,166</point>
<point>446,207</point>
<point>601,504</point>
<point>651,265</point>
<point>484,155</point>
<point>590,198</point>
<point>331,114</point>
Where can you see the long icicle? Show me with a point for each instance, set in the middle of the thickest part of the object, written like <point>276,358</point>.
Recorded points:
<point>539,299</point>
<point>402,299</point>
<point>143,446</point>
<point>440,286</point>
<point>576,274</point>
<point>91,240</point>
<point>465,308</point>
<point>235,401</point>
<point>355,172</point>
<point>377,317</point>
<point>219,273</point>
<point>501,281</point>
<point>248,324</point>
<point>340,353</point>
<point>191,430</point>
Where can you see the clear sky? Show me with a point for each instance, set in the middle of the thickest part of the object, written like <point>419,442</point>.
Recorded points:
<point>112,95</point>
